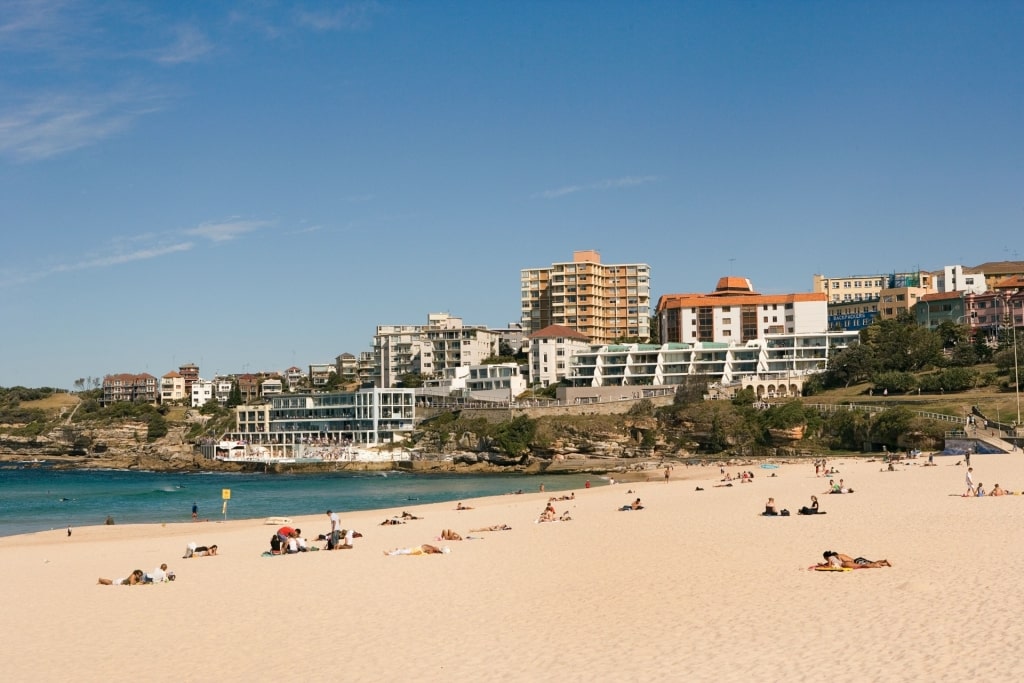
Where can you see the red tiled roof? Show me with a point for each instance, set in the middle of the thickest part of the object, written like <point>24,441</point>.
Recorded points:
<point>552,331</point>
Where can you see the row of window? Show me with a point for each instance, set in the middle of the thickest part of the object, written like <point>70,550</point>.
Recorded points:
<point>857,284</point>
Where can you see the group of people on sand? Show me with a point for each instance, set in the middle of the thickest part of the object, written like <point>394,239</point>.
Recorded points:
<point>138,577</point>
<point>399,519</point>
<point>288,541</point>
<point>821,468</point>
<point>744,477</point>
<point>771,509</point>
<point>978,490</point>
<point>551,515</point>
<point>841,487</point>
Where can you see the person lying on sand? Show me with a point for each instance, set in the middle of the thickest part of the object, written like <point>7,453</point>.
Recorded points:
<point>496,527</point>
<point>409,515</point>
<point>133,579</point>
<point>449,535</point>
<point>392,520</point>
<point>834,559</point>
<point>425,549</point>
<point>194,550</point>
<point>635,505</point>
<point>460,506</point>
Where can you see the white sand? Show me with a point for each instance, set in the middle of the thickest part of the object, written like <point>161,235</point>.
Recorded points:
<point>697,586</point>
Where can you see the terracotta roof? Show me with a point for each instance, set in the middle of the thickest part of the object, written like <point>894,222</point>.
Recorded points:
<point>1012,282</point>
<point>941,296</point>
<point>695,300</point>
<point>552,331</point>
<point>734,285</point>
<point>172,373</point>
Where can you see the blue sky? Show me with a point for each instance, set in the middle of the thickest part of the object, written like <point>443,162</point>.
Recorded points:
<point>252,185</point>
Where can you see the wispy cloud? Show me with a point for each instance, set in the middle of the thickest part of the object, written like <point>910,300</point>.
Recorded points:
<point>601,185</point>
<point>356,16</point>
<point>51,124</point>
<point>307,230</point>
<point>141,247</point>
<point>190,45</point>
<point>117,259</point>
<point>114,257</point>
<point>225,231</point>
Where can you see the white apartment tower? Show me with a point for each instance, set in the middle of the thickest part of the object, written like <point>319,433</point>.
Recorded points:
<point>604,302</point>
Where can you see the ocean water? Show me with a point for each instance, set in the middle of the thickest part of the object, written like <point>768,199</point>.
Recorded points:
<point>40,498</point>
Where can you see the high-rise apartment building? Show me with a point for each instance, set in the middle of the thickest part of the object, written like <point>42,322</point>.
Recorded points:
<point>605,302</point>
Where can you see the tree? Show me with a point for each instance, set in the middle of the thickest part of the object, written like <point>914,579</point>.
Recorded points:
<point>655,330</point>
<point>851,365</point>
<point>235,397</point>
<point>514,437</point>
<point>896,382</point>
<point>952,334</point>
<point>902,345</point>
<point>411,380</point>
<point>889,426</point>
<point>982,351</point>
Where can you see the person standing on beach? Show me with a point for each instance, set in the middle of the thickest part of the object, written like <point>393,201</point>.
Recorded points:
<point>195,511</point>
<point>969,478</point>
<point>332,544</point>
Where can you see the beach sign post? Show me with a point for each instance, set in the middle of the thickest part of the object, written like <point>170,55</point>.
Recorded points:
<point>225,494</point>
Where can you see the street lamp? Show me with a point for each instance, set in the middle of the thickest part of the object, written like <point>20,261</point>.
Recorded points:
<point>1016,368</point>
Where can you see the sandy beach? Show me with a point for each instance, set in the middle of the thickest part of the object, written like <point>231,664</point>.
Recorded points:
<point>696,586</point>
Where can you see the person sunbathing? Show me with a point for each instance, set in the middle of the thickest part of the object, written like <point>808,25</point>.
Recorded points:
<point>460,506</point>
<point>449,535</point>
<point>194,550</point>
<point>425,549</point>
<point>496,527</point>
<point>133,579</point>
<point>409,515</point>
<point>635,505</point>
<point>998,491</point>
<point>392,520</point>
<point>842,560</point>
<point>769,508</point>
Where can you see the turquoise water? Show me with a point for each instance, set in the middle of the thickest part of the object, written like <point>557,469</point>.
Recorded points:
<point>40,498</point>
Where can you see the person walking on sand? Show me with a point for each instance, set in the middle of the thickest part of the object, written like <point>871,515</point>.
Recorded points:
<point>969,479</point>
